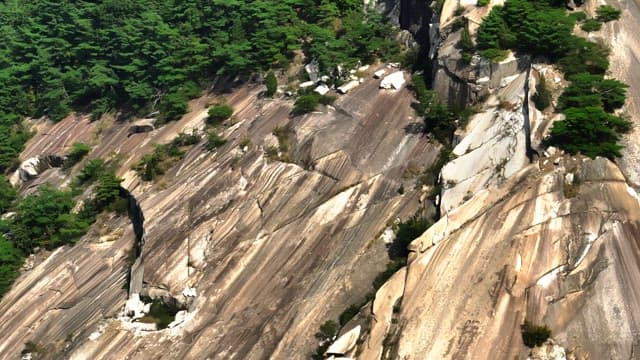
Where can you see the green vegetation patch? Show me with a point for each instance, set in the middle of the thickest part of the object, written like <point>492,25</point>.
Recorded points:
<point>161,313</point>
<point>78,152</point>
<point>164,156</point>
<point>606,13</point>
<point>534,335</point>
<point>542,97</point>
<point>219,113</point>
<point>590,25</point>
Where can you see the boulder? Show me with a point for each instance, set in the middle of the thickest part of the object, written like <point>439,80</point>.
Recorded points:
<point>322,89</point>
<point>548,351</point>
<point>306,84</point>
<point>379,74</point>
<point>345,343</point>
<point>134,307</point>
<point>348,86</point>
<point>393,81</point>
<point>312,70</point>
<point>141,126</point>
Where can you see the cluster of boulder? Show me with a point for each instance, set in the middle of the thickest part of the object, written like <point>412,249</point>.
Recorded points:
<point>394,81</point>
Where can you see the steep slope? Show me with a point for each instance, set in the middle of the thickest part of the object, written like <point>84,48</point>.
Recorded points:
<point>270,247</point>
<point>526,250</point>
<point>624,37</point>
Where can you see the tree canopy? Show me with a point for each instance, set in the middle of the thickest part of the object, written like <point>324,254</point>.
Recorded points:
<point>143,56</point>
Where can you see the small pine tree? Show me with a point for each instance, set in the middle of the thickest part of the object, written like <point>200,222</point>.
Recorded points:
<point>272,83</point>
<point>542,97</point>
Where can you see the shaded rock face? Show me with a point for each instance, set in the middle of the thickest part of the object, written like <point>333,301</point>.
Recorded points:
<point>30,169</point>
<point>270,249</point>
<point>526,250</point>
<point>412,15</point>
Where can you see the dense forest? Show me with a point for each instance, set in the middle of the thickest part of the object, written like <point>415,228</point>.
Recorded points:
<point>140,57</point>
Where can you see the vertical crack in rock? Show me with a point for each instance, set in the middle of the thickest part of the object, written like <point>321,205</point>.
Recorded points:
<point>525,112</point>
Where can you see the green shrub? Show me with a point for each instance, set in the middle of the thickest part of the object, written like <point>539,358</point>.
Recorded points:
<point>328,330</point>
<point>326,99</point>
<point>183,139</point>
<point>158,162</point>
<point>584,56</point>
<point>406,232</point>
<point>219,113</point>
<point>45,219</point>
<point>591,25</point>
<point>272,83</point>
<point>392,267</point>
<point>305,104</point>
<point>8,195</point>
<point>495,55</point>
<point>10,263</point>
<point>173,106</point>
<point>590,131</point>
<point>214,141</point>
<point>91,171</point>
<point>606,13</point>
<point>593,90</point>
<point>465,44</point>
<point>542,97</point>
<point>578,15</point>
<point>482,3</point>
<point>107,194</point>
<point>533,335</point>
<point>77,152</point>
<point>348,314</point>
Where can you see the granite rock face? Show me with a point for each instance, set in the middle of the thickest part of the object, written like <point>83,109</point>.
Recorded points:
<point>269,248</point>
<point>537,247</point>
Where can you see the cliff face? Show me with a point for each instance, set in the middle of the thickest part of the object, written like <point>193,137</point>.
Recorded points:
<point>624,38</point>
<point>554,244</point>
<point>273,245</point>
<point>272,248</point>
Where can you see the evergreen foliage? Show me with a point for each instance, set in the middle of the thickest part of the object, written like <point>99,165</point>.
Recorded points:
<point>534,335</point>
<point>45,219</point>
<point>305,104</point>
<point>77,152</point>
<point>606,13</point>
<point>590,131</point>
<point>590,25</point>
<point>8,195</point>
<point>544,29</point>
<point>214,141</point>
<point>272,84</point>
<point>10,262</point>
<point>138,57</point>
<point>542,97</point>
<point>219,113</point>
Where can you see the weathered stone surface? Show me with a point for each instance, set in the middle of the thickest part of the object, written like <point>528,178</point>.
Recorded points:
<point>345,343</point>
<point>272,249</point>
<point>525,251</point>
<point>384,305</point>
<point>623,37</point>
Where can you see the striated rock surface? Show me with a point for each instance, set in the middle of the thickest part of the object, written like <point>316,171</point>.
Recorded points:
<point>538,247</point>
<point>270,249</point>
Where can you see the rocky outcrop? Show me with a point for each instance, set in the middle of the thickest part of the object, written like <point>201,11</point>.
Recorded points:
<point>498,141</point>
<point>272,249</point>
<point>411,15</point>
<point>543,246</point>
<point>32,167</point>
